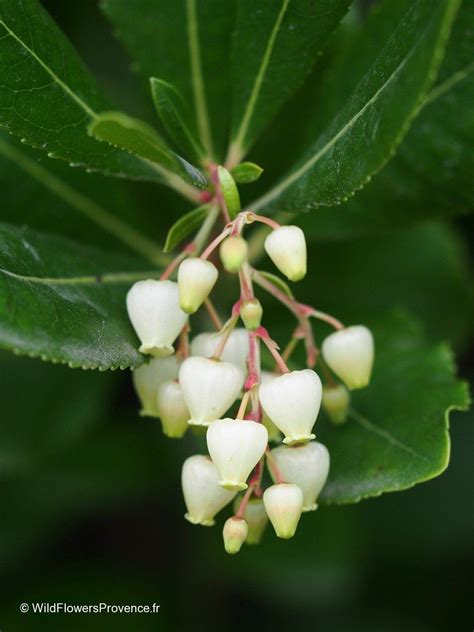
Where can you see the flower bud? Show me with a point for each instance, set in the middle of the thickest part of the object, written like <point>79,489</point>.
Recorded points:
<point>209,388</point>
<point>284,504</point>
<point>233,253</point>
<point>172,409</point>
<point>203,495</point>
<point>255,517</point>
<point>306,466</point>
<point>234,533</point>
<point>236,446</point>
<point>147,379</point>
<point>292,402</point>
<point>336,401</point>
<point>251,313</point>
<point>196,278</point>
<point>286,247</point>
<point>274,434</point>
<point>153,308</point>
<point>350,354</point>
<point>235,351</point>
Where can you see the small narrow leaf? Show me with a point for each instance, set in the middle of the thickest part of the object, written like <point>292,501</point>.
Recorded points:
<point>277,282</point>
<point>229,191</point>
<point>186,43</point>
<point>246,172</point>
<point>48,97</point>
<point>120,130</point>
<point>184,226</point>
<point>176,117</point>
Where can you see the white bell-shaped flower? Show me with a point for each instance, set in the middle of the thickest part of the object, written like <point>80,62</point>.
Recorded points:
<point>274,433</point>
<point>153,308</point>
<point>236,446</point>
<point>286,247</point>
<point>209,388</point>
<point>203,495</point>
<point>255,517</point>
<point>336,400</point>
<point>234,533</point>
<point>147,379</point>
<point>350,354</point>
<point>172,409</point>
<point>292,402</point>
<point>284,504</point>
<point>306,466</point>
<point>235,351</point>
<point>196,278</point>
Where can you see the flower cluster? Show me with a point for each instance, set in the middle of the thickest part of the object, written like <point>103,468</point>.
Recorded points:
<point>199,384</point>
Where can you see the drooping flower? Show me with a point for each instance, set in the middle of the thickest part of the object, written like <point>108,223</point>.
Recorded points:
<point>236,446</point>
<point>209,388</point>
<point>274,433</point>
<point>234,534</point>
<point>292,402</point>
<point>335,402</point>
<point>284,504</point>
<point>349,353</point>
<point>203,495</point>
<point>148,377</point>
<point>153,308</point>
<point>306,466</point>
<point>172,409</point>
<point>196,278</point>
<point>286,247</point>
<point>235,351</point>
<point>255,517</point>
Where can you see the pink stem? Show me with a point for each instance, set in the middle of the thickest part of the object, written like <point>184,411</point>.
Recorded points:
<point>213,245</point>
<point>274,467</point>
<point>253,363</point>
<point>211,310</point>
<point>271,346</point>
<point>264,220</point>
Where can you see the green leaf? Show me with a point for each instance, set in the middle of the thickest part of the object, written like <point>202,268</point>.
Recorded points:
<point>364,132</point>
<point>176,117</point>
<point>398,432</point>
<point>64,302</point>
<point>230,191</point>
<point>139,138</point>
<point>54,197</point>
<point>186,43</point>
<point>274,47</point>
<point>185,225</point>
<point>246,172</point>
<point>431,174</point>
<point>48,98</point>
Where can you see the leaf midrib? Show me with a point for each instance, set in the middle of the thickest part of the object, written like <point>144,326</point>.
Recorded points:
<point>111,278</point>
<point>238,142</point>
<point>51,73</point>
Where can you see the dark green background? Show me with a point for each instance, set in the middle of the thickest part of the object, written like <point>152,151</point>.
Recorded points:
<point>91,507</point>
